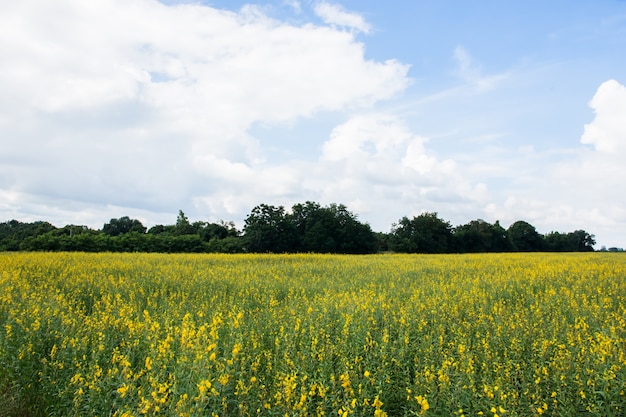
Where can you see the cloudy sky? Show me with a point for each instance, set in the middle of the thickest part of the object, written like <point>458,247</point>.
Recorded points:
<point>489,109</point>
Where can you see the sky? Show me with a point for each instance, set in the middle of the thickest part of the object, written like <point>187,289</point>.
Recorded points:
<point>493,110</point>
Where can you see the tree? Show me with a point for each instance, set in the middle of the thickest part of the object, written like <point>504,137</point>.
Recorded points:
<point>582,240</point>
<point>222,230</point>
<point>157,229</point>
<point>183,227</point>
<point>481,236</point>
<point>13,233</point>
<point>267,230</point>
<point>500,238</point>
<point>577,241</point>
<point>382,241</point>
<point>331,229</point>
<point>230,244</point>
<point>426,233</point>
<point>315,227</point>
<point>352,236</point>
<point>123,225</point>
<point>309,227</point>
<point>524,237</point>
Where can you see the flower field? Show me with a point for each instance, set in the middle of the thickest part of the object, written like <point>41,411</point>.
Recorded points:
<point>288,335</point>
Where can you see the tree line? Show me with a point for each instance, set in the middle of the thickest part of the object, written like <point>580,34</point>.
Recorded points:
<point>307,227</point>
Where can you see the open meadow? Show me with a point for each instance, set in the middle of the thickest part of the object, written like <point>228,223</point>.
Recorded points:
<point>288,335</point>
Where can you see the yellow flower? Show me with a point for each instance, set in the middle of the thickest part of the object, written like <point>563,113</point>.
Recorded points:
<point>423,402</point>
<point>204,386</point>
<point>377,402</point>
<point>122,390</point>
<point>345,380</point>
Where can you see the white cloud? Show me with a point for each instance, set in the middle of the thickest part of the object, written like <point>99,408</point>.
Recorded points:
<point>603,168</point>
<point>378,144</point>
<point>580,190</point>
<point>334,14</point>
<point>598,179</point>
<point>471,72</point>
<point>607,133</point>
<point>140,105</point>
<point>375,161</point>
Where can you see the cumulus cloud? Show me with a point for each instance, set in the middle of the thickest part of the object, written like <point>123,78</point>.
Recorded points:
<point>379,146</point>
<point>601,172</point>
<point>607,133</point>
<point>334,14</point>
<point>374,158</point>
<point>580,189</point>
<point>141,105</point>
<point>604,164</point>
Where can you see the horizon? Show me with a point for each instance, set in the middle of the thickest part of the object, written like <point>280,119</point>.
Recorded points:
<point>289,211</point>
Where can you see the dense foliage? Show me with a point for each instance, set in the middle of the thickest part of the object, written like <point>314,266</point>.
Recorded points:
<point>302,335</point>
<point>307,227</point>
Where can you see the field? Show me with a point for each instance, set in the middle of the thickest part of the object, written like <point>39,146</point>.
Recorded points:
<point>287,335</point>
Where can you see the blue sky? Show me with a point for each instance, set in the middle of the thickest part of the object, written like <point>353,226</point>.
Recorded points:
<point>496,110</point>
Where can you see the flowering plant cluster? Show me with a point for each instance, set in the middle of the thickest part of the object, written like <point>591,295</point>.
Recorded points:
<point>310,335</point>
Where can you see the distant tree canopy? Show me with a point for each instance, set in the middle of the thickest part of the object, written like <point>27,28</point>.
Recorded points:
<point>577,241</point>
<point>13,233</point>
<point>123,225</point>
<point>480,236</point>
<point>307,227</point>
<point>524,237</point>
<point>425,233</point>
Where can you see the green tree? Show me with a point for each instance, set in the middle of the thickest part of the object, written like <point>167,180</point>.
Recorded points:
<point>481,236</point>
<point>309,227</point>
<point>158,229</point>
<point>584,241</point>
<point>315,228</point>
<point>183,227</point>
<point>577,241</point>
<point>524,237</point>
<point>13,233</point>
<point>123,225</point>
<point>353,236</point>
<point>229,244</point>
<point>331,229</point>
<point>222,230</point>
<point>267,230</point>
<point>426,233</point>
